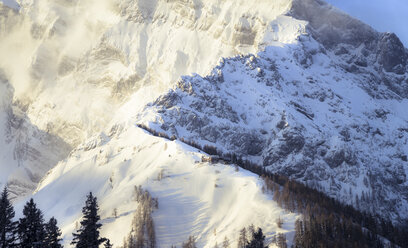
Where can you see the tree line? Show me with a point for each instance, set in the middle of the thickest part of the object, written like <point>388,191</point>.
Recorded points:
<point>250,237</point>
<point>326,221</point>
<point>31,231</point>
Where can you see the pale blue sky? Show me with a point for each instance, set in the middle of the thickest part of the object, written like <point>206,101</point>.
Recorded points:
<point>383,15</point>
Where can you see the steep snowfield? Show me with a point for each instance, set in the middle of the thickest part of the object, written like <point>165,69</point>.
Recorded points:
<point>97,53</point>
<point>322,100</point>
<point>72,64</point>
<point>111,164</point>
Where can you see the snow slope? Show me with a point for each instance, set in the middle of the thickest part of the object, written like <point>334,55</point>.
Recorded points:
<point>331,115</point>
<point>322,99</point>
<point>111,164</point>
<point>97,53</point>
<point>72,64</point>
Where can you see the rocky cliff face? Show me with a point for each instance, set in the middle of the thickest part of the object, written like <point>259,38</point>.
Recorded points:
<point>98,53</point>
<point>27,152</point>
<point>328,110</point>
<point>70,65</point>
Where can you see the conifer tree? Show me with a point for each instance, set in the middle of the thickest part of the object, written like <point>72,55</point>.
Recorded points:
<point>88,234</point>
<point>52,234</point>
<point>258,240</point>
<point>31,227</point>
<point>8,227</point>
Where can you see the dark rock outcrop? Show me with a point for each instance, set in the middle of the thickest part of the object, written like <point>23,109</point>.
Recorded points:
<point>391,53</point>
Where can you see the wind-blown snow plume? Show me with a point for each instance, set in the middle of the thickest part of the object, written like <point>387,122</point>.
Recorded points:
<point>299,88</point>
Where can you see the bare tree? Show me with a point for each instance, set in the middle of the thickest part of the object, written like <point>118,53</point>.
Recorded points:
<point>143,233</point>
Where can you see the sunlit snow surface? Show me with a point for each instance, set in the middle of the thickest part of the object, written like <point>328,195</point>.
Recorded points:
<point>72,64</point>
<point>189,201</point>
<point>240,104</point>
<point>76,77</point>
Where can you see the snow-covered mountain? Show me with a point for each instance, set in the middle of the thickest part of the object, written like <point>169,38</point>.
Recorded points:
<point>294,85</point>
<point>328,110</point>
<point>72,64</point>
<point>315,124</point>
